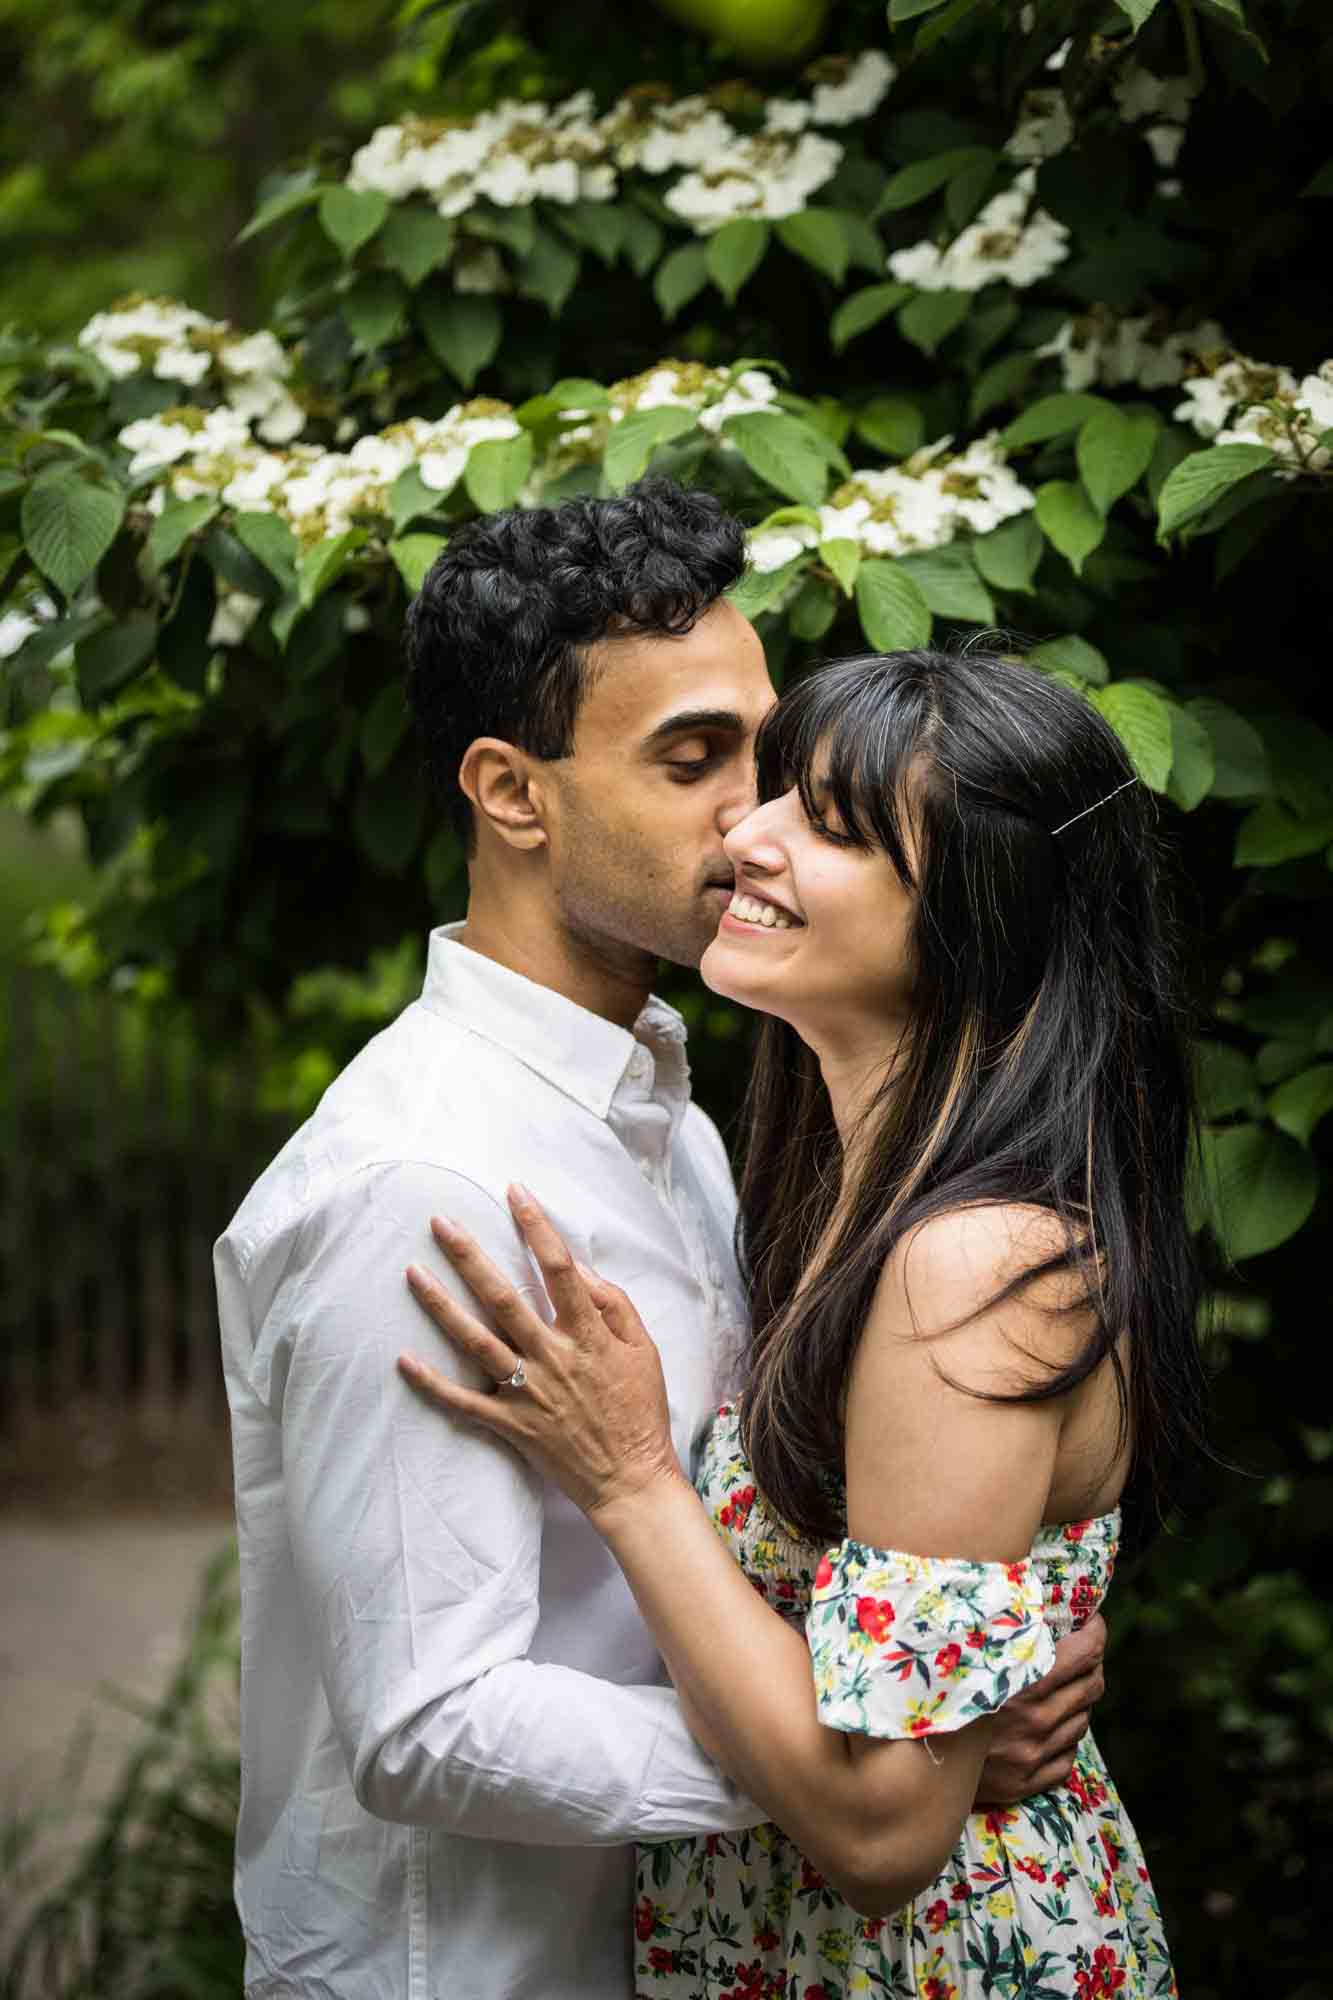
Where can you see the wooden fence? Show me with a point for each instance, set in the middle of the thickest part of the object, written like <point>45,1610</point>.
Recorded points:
<point>124,1150</point>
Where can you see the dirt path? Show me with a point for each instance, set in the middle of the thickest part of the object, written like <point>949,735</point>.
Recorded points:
<point>88,1602</point>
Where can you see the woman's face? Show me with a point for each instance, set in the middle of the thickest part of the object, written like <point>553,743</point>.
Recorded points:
<point>818,930</point>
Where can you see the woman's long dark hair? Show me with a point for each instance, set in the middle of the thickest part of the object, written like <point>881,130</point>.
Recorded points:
<point>1046,1060</point>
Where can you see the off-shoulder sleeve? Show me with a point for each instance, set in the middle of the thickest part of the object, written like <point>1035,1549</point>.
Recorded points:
<point>905,1645</point>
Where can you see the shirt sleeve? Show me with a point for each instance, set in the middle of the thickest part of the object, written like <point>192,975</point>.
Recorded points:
<point>904,1645</point>
<point>417,1543</point>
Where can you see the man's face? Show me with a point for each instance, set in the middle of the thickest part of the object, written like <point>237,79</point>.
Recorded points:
<point>662,768</point>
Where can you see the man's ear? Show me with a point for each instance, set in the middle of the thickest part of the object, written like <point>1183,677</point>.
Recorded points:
<point>497,779</point>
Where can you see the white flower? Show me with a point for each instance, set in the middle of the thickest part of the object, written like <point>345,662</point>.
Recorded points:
<point>15,628</point>
<point>1008,240</point>
<point>1059,57</point>
<point>253,480</point>
<point>283,420</point>
<point>1235,383</point>
<point>255,354</point>
<point>856,95</point>
<point>1044,127</point>
<point>752,390</point>
<point>688,133</point>
<point>786,114</point>
<point>769,174</point>
<point>235,614</point>
<point>923,502</point>
<point>182,364</point>
<point>770,548</point>
<point>1140,94</point>
<point>598,183</point>
<point>1316,394</point>
<point>159,441</point>
<point>1100,347</point>
<point>1165,142</point>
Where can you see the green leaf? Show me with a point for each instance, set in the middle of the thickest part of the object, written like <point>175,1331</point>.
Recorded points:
<point>914,182</point>
<point>1297,1105</point>
<point>1137,10</point>
<point>351,216</point>
<point>514,228</point>
<point>1069,520</point>
<point>893,611</point>
<point>462,330</point>
<point>279,206</point>
<point>863,310</point>
<point>636,437</point>
<point>1071,655</point>
<point>414,555</point>
<point>495,472</point>
<point>814,611</point>
<point>787,454</point>
<point>1202,478</point>
<point>386,724</point>
<point>1113,450</point>
<point>109,658</point>
<point>735,253</point>
<point>594,225</point>
<point>410,497</point>
<point>234,564</point>
<point>68,525</point>
<point>174,526</point>
<point>1270,834</point>
<point>948,580</point>
<point>679,278</point>
<point>1142,721</point>
<point>1008,556</point>
<point>760,590</point>
<point>1051,416</point>
<point>548,273</point>
<point>1193,765</point>
<point>1226,1080</point>
<point>935,31</point>
<point>1241,766</point>
<point>1262,1186</point>
<point>271,542</point>
<point>573,393</point>
<point>893,424</point>
<point>390,812</point>
<point>843,559</point>
<point>817,236</point>
<point>416,241</point>
<point>643,241</point>
<point>931,317</point>
<point>183,651</point>
<point>1002,382</point>
<point>907,10</point>
<point>969,188</point>
<point>325,562</point>
<point>1320,183</point>
<point>374,309</point>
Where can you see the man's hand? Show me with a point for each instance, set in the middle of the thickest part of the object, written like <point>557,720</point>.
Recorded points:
<point>1036,1734</point>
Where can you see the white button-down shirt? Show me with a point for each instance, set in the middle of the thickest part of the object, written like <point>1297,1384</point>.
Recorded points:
<point>454,1720</point>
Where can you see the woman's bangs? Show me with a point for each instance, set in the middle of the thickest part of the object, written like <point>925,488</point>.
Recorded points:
<point>830,737</point>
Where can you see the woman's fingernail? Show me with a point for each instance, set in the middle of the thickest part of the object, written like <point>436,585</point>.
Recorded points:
<point>417,1277</point>
<point>440,1225</point>
<point>520,1196</point>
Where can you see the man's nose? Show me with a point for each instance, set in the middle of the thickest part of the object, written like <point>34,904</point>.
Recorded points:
<point>735,808</point>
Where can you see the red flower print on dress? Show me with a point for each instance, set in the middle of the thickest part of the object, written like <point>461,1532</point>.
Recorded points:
<point>1029,1867</point>
<point>662,1960</point>
<point>948,1658</point>
<point>874,1615</point>
<point>766,1938</point>
<point>1074,1531</point>
<point>751,1985</point>
<point>938,1989</point>
<point>1016,1571</point>
<point>976,1638</point>
<point>645,1920</point>
<point>961,1892</point>
<point>937,1916</point>
<point>1059,1878</point>
<point>1105,1977</point>
<point>824,1574</point>
<point>811,1879</point>
<point>737,1510</point>
<point>872,1928</point>
<point>1082,1601</point>
<point>819,1992</point>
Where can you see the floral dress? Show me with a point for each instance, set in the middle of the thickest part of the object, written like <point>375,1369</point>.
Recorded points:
<point>1049,1900</point>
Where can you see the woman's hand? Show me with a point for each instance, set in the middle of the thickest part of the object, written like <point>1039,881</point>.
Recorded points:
<point>592,1409</point>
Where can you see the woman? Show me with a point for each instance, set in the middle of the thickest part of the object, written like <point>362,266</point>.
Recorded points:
<point>962,1224</point>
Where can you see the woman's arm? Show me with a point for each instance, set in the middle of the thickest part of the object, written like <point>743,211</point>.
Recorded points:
<point>961,1477</point>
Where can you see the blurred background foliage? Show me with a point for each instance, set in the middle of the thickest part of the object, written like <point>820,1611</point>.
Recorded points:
<point>211,697</point>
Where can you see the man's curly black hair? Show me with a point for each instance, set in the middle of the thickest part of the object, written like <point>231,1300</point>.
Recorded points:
<point>496,637</point>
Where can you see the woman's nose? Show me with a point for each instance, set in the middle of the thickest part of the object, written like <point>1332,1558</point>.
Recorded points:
<point>751,843</point>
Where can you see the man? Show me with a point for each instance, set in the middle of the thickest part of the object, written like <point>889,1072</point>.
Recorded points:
<point>454,1721</point>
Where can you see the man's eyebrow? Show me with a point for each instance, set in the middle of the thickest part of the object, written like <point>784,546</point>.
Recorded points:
<point>694,722</point>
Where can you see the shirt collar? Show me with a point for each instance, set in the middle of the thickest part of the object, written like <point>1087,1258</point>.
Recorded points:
<point>581,1053</point>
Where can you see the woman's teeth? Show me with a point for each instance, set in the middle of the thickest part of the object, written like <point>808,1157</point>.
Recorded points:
<point>767,915</point>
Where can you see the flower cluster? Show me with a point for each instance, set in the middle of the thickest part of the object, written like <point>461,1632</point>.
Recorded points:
<point>1044,127</point>
<point>1164,102</point>
<point>321,493</point>
<point>1233,400</point>
<point>1102,348</point>
<point>519,153</point>
<point>177,344</point>
<point>1009,239</point>
<point>921,504</point>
